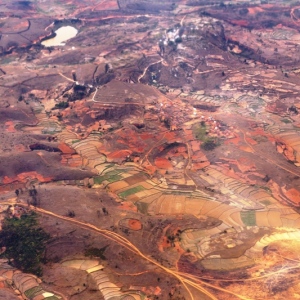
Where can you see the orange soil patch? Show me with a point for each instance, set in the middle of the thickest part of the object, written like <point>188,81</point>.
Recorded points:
<point>246,149</point>
<point>240,22</point>
<point>10,127</point>
<point>188,132</point>
<point>146,136</point>
<point>234,140</point>
<point>150,169</point>
<point>23,177</point>
<point>162,163</point>
<point>126,205</point>
<point>118,156</point>
<point>164,244</point>
<point>267,5</point>
<point>66,149</point>
<point>2,285</point>
<point>71,160</point>
<point>170,135</point>
<point>152,290</point>
<point>254,10</point>
<point>243,167</point>
<point>251,141</point>
<point>199,166</point>
<point>293,195</point>
<point>107,5</point>
<point>94,127</point>
<point>20,148</point>
<point>195,145</point>
<point>230,172</point>
<point>134,224</point>
<point>258,131</point>
<point>287,151</point>
<point>276,189</point>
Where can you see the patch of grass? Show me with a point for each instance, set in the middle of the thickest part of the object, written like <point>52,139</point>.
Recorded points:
<point>286,121</point>
<point>248,217</point>
<point>113,178</point>
<point>266,202</point>
<point>131,191</point>
<point>75,141</point>
<point>31,293</point>
<point>200,132</point>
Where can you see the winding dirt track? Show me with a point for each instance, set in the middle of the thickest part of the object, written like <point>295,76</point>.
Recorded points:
<point>187,280</point>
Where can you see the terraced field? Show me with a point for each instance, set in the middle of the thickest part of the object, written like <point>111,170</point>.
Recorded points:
<point>28,285</point>
<point>108,289</point>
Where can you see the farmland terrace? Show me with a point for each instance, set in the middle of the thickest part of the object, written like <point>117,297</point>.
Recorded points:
<point>159,147</point>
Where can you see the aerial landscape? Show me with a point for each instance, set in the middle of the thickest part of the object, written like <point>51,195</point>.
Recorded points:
<point>150,150</point>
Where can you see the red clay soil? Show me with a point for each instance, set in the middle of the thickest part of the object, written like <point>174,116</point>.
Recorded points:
<point>254,10</point>
<point>10,126</point>
<point>293,195</point>
<point>23,177</point>
<point>234,141</point>
<point>20,148</point>
<point>162,163</point>
<point>134,224</point>
<point>70,160</point>
<point>200,165</point>
<point>127,205</point>
<point>107,5</point>
<point>118,156</point>
<point>242,23</point>
<point>152,290</point>
<point>251,141</point>
<point>66,149</point>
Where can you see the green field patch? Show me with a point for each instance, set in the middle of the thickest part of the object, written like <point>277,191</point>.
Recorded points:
<point>111,176</point>
<point>199,131</point>
<point>131,191</point>
<point>76,141</point>
<point>248,217</point>
<point>106,177</point>
<point>113,172</point>
<point>266,202</point>
<point>31,293</point>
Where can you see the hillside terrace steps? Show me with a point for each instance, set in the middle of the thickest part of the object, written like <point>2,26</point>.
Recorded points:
<point>27,284</point>
<point>268,239</point>
<point>109,290</point>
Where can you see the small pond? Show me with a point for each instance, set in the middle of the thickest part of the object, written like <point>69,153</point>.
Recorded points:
<point>62,34</point>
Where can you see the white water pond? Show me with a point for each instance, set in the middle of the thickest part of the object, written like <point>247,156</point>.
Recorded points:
<point>62,34</point>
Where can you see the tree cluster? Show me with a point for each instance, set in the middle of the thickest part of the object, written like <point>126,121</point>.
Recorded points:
<point>25,242</point>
